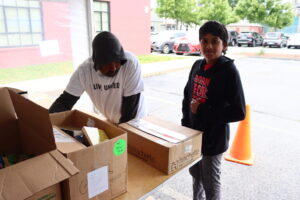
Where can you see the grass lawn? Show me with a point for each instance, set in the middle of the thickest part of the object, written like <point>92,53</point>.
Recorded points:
<point>158,58</point>
<point>8,75</point>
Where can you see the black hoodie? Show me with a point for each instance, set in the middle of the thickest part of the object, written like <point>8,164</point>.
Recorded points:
<point>224,102</point>
<point>107,49</point>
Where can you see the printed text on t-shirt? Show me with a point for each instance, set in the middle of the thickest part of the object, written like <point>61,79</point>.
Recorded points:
<point>106,87</point>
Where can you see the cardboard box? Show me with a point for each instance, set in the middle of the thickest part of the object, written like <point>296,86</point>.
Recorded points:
<point>25,128</point>
<point>106,162</point>
<point>164,155</point>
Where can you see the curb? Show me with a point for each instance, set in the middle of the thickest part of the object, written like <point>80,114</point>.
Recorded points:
<point>269,56</point>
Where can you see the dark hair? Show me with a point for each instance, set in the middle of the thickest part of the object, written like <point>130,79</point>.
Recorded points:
<point>215,28</point>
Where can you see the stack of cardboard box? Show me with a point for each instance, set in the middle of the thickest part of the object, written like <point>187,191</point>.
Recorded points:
<point>26,131</point>
<point>59,166</point>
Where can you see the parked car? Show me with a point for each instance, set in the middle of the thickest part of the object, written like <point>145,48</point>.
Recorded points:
<point>153,33</point>
<point>232,38</point>
<point>294,41</point>
<point>275,39</point>
<point>188,44</point>
<point>251,39</point>
<point>164,41</point>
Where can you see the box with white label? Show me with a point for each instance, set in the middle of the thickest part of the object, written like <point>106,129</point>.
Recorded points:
<point>103,167</point>
<point>162,144</point>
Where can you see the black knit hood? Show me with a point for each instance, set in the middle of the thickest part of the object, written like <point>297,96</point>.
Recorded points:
<point>107,49</point>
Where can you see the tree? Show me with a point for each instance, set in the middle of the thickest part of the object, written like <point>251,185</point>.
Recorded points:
<point>233,3</point>
<point>280,16</point>
<point>252,10</point>
<point>179,10</point>
<point>273,13</point>
<point>165,9</point>
<point>218,10</point>
<point>192,16</point>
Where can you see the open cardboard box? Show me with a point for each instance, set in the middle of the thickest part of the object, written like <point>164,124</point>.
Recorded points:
<point>110,155</point>
<point>164,155</point>
<point>25,128</point>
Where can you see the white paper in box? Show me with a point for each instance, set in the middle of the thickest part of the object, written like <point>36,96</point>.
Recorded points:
<point>158,131</point>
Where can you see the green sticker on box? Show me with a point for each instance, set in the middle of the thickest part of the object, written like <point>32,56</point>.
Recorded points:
<point>119,147</point>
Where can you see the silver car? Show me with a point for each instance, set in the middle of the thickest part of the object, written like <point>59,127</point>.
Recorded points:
<point>164,41</point>
<point>275,39</point>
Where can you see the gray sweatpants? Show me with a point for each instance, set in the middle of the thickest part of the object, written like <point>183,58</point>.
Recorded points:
<point>206,178</point>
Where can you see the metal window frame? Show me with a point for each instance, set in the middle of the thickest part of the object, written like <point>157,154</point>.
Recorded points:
<point>6,33</point>
<point>101,14</point>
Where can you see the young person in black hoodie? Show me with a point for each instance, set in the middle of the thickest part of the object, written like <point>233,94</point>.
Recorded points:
<point>213,97</point>
<point>111,77</point>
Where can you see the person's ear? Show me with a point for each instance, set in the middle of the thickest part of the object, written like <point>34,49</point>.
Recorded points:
<point>225,46</point>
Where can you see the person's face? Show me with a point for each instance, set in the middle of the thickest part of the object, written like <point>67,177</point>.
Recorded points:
<point>110,69</point>
<point>211,48</point>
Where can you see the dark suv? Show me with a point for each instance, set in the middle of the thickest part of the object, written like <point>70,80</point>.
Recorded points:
<point>251,39</point>
<point>232,38</point>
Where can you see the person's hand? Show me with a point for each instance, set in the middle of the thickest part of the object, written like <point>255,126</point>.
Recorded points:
<point>194,105</point>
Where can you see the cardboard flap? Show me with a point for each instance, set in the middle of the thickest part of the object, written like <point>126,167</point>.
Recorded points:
<point>78,119</point>
<point>33,175</point>
<point>66,163</point>
<point>65,143</point>
<point>16,90</point>
<point>34,125</point>
<point>9,140</point>
<point>61,118</point>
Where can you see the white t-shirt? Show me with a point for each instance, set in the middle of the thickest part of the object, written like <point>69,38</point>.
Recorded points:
<point>106,92</point>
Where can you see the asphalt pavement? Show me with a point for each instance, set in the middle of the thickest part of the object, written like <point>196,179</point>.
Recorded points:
<point>271,90</point>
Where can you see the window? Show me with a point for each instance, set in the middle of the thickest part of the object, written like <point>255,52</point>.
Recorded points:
<point>101,16</point>
<point>20,23</point>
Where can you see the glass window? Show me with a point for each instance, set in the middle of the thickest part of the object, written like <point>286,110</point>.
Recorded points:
<point>2,25</point>
<point>24,20</point>
<point>25,39</point>
<point>9,3</point>
<point>22,3</point>
<point>3,40</point>
<point>14,39</point>
<point>20,23</point>
<point>101,16</point>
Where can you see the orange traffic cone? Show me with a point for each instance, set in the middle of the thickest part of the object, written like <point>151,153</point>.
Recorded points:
<point>240,150</point>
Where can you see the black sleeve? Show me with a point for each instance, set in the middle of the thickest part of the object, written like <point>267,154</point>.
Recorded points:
<point>186,106</point>
<point>186,102</point>
<point>234,109</point>
<point>64,102</point>
<point>129,108</point>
